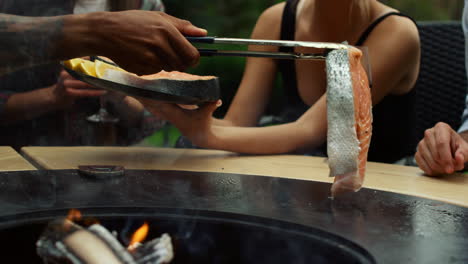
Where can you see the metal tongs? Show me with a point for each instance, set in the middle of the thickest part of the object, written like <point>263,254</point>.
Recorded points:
<point>326,46</point>
<point>274,55</point>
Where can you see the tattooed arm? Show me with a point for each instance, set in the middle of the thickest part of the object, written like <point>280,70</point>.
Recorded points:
<point>27,41</point>
<point>139,41</point>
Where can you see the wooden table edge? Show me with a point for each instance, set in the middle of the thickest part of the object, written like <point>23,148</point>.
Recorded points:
<point>41,164</point>
<point>26,165</point>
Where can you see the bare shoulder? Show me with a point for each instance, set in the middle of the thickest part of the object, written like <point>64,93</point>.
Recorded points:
<point>396,40</point>
<point>273,13</point>
<point>269,23</point>
<point>397,31</point>
<point>396,46</point>
<point>402,27</point>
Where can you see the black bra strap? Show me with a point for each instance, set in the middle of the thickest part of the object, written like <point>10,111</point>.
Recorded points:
<point>371,27</point>
<point>288,67</point>
<point>288,23</point>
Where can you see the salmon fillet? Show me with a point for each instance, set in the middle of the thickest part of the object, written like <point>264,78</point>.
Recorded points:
<point>174,86</point>
<point>131,78</point>
<point>349,115</point>
<point>175,75</point>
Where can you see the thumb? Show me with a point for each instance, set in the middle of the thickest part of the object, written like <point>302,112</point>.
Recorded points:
<point>210,107</point>
<point>186,27</point>
<point>459,159</point>
<point>192,30</point>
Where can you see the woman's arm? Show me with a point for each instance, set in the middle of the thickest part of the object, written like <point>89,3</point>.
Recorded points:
<point>257,82</point>
<point>394,53</point>
<point>309,131</point>
<point>394,63</point>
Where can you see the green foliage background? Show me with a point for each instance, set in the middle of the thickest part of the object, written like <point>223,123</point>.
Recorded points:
<point>236,18</point>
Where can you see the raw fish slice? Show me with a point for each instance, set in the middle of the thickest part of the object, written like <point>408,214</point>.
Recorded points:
<point>175,75</point>
<point>193,89</point>
<point>349,114</point>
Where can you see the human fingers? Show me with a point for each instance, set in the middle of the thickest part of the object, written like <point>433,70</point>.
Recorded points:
<point>153,40</point>
<point>459,163</point>
<point>188,107</point>
<point>72,83</point>
<point>426,155</point>
<point>157,108</point>
<point>172,54</point>
<point>80,93</point>
<point>151,63</point>
<point>185,26</point>
<point>181,52</point>
<point>194,107</point>
<point>442,150</point>
<point>422,163</point>
<point>62,77</point>
<point>428,147</point>
<point>461,152</point>
<point>79,89</point>
<point>210,107</point>
<point>160,52</point>
<point>65,75</point>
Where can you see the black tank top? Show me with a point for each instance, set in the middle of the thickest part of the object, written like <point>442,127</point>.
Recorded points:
<point>394,117</point>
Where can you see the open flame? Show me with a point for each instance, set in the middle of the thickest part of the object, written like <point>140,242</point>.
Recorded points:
<point>139,235</point>
<point>74,215</point>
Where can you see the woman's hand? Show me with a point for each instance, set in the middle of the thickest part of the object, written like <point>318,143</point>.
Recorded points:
<point>441,151</point>
<point>194,124</point>
<point>68,89</point>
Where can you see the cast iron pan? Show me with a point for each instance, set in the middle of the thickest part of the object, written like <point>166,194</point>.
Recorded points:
<point>175,91</point>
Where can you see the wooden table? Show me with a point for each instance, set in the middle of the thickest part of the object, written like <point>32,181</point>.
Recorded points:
<point>394,178</point>
<point>10,160</point>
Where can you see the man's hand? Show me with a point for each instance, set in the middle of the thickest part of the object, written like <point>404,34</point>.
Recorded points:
<point>144,42</point>
<point>441,151</point>
<point>68,89</point>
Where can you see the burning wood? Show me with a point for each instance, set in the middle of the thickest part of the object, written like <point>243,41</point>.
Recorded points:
<point>138,236</point>
<point>66,242</point>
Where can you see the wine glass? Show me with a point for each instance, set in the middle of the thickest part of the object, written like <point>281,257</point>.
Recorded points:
<point>102,115</point>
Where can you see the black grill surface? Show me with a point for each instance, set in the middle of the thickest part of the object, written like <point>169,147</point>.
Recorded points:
<point>393,228</point>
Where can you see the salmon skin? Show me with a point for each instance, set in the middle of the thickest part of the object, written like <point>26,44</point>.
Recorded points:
<point>349,117</point>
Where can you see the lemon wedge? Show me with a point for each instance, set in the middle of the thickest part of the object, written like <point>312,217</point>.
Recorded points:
<point>87,67</point>
<point>101,67</point>
<point>73,63</point>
